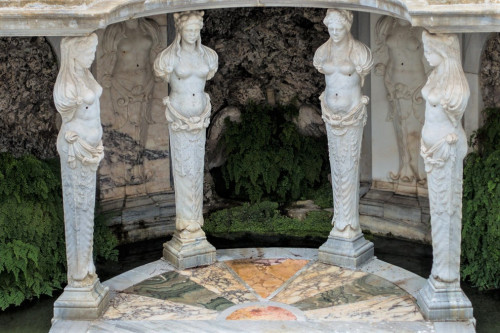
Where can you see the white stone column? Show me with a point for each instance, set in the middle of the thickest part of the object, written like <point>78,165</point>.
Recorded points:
<point>444,146</point>
<point>186,65</point>
<point>76,97</point>
<point>345,63</point>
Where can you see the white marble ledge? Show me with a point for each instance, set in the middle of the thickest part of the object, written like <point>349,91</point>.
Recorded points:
<point>267,253</point>
<point>80,17</point>
<point>138,274</point>
<point>259,326</point>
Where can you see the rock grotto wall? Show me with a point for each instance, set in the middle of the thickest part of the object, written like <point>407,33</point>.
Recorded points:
<point>28,71</point>
<point>490,72</point>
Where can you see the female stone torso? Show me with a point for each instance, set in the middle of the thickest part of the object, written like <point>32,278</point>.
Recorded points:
<point>343,82</point>
<point>187,83</point>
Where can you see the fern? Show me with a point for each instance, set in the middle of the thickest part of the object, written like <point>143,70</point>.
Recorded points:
<point>268,158</point>
<point>32,246</point>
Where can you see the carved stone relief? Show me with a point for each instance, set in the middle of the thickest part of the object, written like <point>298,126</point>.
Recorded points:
<point>135,130</point>
<point>400,56</point>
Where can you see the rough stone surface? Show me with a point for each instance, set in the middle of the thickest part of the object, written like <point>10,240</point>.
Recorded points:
<point>262,48</point>
<point>490,72</point>
<point>28,71</point>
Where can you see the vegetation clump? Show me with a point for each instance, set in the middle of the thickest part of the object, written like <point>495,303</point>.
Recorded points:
<point>481,206</point>
<point>264,218</point>
<point>267,157</point>
<point>32,245</point>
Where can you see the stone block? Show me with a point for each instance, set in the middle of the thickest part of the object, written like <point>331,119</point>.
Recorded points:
<point>349,253</point>
<point>85,303</point>
<point>184,254</point>
<point>440,301</point>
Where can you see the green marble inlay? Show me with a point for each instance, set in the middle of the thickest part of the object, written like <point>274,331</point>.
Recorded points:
<point>175,287</point>
<point>358,290</point>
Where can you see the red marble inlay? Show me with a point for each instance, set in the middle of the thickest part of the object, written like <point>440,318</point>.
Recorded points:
<point>262,313</point>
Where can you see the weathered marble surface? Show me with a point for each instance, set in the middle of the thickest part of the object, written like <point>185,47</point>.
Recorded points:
<point>378,312</point>
<point>28,119</point>
<point>135,129</point>
<point>399,59</point>
<point>24,18</point>
<point>76,97</point>
<point>219,280</point>
<point>444,146</point>
<point>266,275</point>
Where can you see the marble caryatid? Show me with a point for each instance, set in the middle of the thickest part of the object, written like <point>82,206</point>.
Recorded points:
<point>345,63</point>
<point>443,147</point>
<point>76,97</point>
<point>404,77</point>
<point>186,65</point>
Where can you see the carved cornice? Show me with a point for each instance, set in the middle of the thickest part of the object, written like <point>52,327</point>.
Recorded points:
<point>80,17</point>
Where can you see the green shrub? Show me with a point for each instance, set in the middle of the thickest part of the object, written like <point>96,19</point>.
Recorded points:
<point>267,158</point>
<point>264,218</point>
<point>481,206</point>
<point>32,246</point>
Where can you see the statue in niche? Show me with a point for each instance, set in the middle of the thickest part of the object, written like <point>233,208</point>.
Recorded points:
<point>443,147</point>
<point>404,76</point>
<point>76,97</point>
<point>186,65</point>
<point>129,51</point>
<point>345,63</point>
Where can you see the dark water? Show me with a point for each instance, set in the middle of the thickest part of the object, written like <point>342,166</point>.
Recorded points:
<point>35,316</point>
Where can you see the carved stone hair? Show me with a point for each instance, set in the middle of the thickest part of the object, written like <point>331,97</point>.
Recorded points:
<point>188,17</point>
<point>68,85</point>
<point>343,16</point>
<point>448,78</point>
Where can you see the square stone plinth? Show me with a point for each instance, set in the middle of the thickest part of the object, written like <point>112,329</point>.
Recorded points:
<point>84,303</point>
<point>189,253</point>
<point>441,301</point>
<point>349,253</point>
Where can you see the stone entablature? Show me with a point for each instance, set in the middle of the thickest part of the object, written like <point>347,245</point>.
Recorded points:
<point>80,17</point>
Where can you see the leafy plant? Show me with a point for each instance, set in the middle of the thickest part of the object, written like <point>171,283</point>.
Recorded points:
<point>481,206</point>
<point>264,218</point>
<point>32,245</point>
<point>267,158</point>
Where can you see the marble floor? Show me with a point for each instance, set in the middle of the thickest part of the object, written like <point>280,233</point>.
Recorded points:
<point>263,290</point>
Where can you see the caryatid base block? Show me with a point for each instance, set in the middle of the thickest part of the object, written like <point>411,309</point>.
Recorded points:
<point>343,252</point>
<point>82,303</point>
<point>187,253</point>
<point>441,301</point>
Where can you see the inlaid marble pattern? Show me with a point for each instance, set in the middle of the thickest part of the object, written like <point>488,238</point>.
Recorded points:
<point>314,280</point>
<point>262,313</point>
<point>134,307</point>
<point>357,290</point>
<point>393,308</point>
<point>219,280</point>
<point>266,275</point>
<point>175,287</point>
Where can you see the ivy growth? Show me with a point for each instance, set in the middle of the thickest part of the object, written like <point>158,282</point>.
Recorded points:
<point>481,206</point>
<point>267,158</point>
<point>32,245</point>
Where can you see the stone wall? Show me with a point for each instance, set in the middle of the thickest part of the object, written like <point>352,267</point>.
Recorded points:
<point>261,49</point>
<point>28,71</point>
<point>490,72</point>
